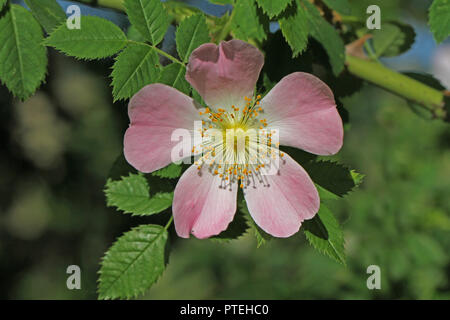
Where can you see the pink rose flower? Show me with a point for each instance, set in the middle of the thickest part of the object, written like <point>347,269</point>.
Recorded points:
<point>300,106</point>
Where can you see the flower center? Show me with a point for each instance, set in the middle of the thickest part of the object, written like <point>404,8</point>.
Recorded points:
<point>236,144</point>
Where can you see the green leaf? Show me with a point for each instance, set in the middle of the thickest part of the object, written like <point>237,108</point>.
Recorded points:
<point>48,12</point>
<point>235,230</point>
<point>341,6</point>
<point>392,39</point>
<point>273,8</point>
<point>149,17</point>
<point>134,34</point>
<point>439,19</point>
<point>2,3</point>
<point>324,233</point>
<point>295,28</point>
<point>358,178</point>
<point>172,171</point>
<point>134,263</point>
<point>197,97</point>
<point>341,180</point>
<point>131,195</point>
<point>329,175</point>
<point>191,33</point>
<point>332,176</point>
<point>248,23</point>
<point>135,67</point>
<point>174,76</point>
<point>261,236</point>
<point>325,195</point>
<point>328,37</point>
<point>120,168</point>
<point>98,38</point>
<point>23,57</point>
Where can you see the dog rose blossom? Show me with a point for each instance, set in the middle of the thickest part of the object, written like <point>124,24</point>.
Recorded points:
<point>300,111</point>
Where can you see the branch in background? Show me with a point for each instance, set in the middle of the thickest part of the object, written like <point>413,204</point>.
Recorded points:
<point>399,84</point>
<point>431,99</point>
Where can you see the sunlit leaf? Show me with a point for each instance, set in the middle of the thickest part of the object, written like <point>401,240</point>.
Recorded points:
<point>133,263</point>
<point>48,12</point>
<point>134,34</point>
<point>295,28</point>
<point>97,38</point>
<point>131,195</point>
<point>324,233</point>
<point>149,17</point>
<point>439,19</point>
<point>273,8</point>
<point>23,57</point>
<point>392,39</point>
<point>135,67</point>
<point>191,33</point>
<point>172,171</point>
<point>327,35</point>
<point>248,22</point>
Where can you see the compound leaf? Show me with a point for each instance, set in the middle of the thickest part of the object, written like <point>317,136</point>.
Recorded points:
<point>133,263</point>
<point>135,67</point>
<point>324,233</point>
<point>149,17</point>
<point>392,39</point>
<point>131,195</point>
<point>48,12</point>
<point>97,38</point>
<point>248,22</point>
<point>273,8</point>
<point>172,171</point>
<point>191,33</point>
<point>23,57</point>
<point>295,28</point>
<point>327,35</point>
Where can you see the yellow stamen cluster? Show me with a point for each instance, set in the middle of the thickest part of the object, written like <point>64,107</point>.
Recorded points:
<point>226,159</point>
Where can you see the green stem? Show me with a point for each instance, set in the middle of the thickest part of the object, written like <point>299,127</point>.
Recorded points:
<point>370,51</point>
<point>168,56</point>
<point>397,83</point>
<point>372,71</point>
<point>168,223</point>
<point>161,52</point>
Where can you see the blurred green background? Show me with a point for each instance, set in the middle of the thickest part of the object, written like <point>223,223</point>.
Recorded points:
<point>58,147</point>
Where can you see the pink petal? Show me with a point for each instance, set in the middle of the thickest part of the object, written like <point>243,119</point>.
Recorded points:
<point>202,205</point>
<point>225,74</point>
<point>302,107</point>
<point>155,112</point>
<point>288,198</point>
